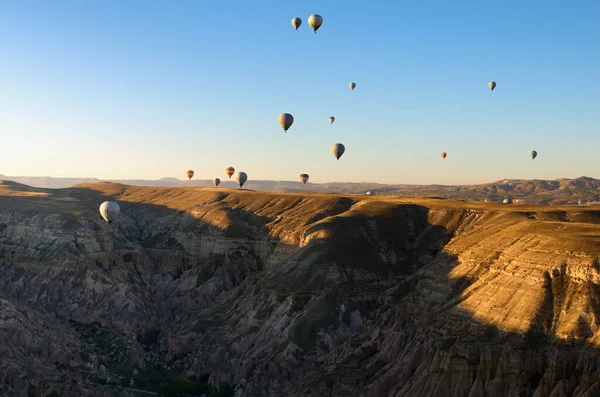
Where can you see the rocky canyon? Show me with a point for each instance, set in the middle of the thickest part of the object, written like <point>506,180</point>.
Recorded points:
<point>294,294</point>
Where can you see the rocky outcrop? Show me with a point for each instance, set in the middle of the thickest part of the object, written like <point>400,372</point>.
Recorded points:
<point>289,295</point>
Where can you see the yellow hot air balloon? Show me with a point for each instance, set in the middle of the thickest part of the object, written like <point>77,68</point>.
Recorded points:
<point>315,21</point>
<point>296,22</point>
<point>303,178</point>
<point>352,85</point>
<point>285,121</point>
<point>492,85</point>
<point>189,174</point>
<point>229,171</point>
<point>331,120</point>
<point>338,149</point>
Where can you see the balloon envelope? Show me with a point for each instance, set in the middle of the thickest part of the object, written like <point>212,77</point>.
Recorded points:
<point>492,85</point>
<point>352,85</point>
<point>109,210</point>
<point>216,182</point>
<point>189,174</point>
<point>296,22</point>
<point>303,178</point>
<point>241,178</point>
<point>338,149</point>
<point>315,21</point>
<point>444,155</point>
<point>533,154</point>
<point>331,120</point>
<point>229,171</point>
<point>285,121</point>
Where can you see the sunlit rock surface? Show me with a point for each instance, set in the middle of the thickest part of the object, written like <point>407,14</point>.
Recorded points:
<point>296,295</point>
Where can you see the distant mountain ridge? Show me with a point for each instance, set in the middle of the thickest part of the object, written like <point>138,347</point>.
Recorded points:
<point>557,192</point>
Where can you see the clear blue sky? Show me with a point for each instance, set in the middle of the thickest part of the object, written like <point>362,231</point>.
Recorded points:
<point>148,89</point>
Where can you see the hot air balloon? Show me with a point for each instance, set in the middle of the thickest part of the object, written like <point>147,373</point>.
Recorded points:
<point>241,178</point>
<point>285,121</point>
<point>338,149</point>
<point>109,210</point>
<point>507,201</point>
<point>296,22</point>
<point>444,155</point>
<point>315,21</point>
<point>352,85</point>
<point>533,154</point>
<point>331,120</point>
<point>216,182</point>
<point>189,174</point>
<point>492,85</point>
<point>229,171</point>
<point>303,178</point>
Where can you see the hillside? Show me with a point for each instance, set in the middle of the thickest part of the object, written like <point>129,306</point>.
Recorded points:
<point>553,192</point>
<point>286,294</point>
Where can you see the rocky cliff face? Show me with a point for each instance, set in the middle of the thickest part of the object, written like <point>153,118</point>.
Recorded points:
<point>296,295</point>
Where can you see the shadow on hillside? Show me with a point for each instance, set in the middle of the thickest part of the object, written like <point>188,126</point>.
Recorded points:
<point>367,261</point>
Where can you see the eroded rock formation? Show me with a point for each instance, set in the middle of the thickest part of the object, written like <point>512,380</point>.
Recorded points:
<point>295,295</point>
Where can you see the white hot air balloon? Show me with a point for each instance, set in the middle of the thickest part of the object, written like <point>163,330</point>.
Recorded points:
<point>241,178</point>
<point>109,210</point>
